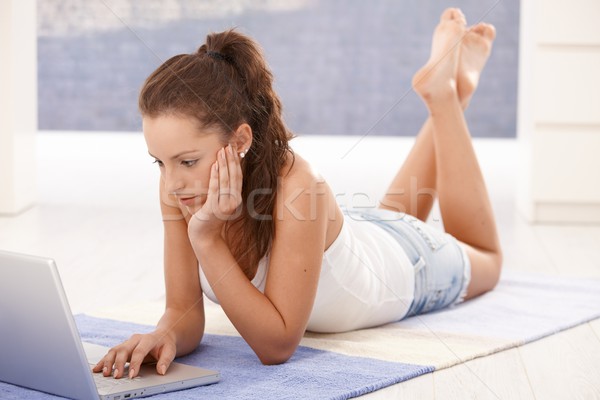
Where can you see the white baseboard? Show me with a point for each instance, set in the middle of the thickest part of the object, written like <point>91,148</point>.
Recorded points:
<point>565,213</point>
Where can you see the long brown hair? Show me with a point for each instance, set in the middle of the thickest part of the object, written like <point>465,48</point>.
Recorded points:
<point>222,85</point>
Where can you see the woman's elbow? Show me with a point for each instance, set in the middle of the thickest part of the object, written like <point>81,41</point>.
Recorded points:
<point>275,348</point>
<point>274,356</point>
<point>274,359</point>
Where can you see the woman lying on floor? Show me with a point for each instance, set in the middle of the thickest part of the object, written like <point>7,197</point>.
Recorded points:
<point>249,223</point>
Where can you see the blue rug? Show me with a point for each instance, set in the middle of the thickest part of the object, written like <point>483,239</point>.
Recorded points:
<point>309,374</point>
<point>524,307</point>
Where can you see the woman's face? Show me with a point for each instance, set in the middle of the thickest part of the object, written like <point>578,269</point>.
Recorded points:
<point>184,153</point>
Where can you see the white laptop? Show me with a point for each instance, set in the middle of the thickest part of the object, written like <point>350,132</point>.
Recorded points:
<point>40,346</point>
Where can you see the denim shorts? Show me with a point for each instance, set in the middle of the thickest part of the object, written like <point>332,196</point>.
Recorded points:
<point>442,267</point>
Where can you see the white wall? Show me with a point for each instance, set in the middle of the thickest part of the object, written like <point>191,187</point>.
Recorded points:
<point>18,104</point>
<point>559,110</point>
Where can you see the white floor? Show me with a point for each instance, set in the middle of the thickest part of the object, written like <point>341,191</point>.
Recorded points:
<point>98,216</point>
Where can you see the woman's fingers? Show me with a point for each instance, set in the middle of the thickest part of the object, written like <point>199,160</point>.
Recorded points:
<point>98,367</point>
<point>230,182</point>
<point>212,199</point>
<point>234,190</point>
<point>137,350</point>
<point>238,170</point>
<point>114,361</point>
<point>223,173</point>
<point>140,353</point>
<point>120,360</point>
<point>224,187</point>
<point>232,167</point>
<point>166,357</point>
<point>106,364</point>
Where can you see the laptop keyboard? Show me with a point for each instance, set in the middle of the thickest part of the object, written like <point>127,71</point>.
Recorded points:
<point>108,382</point>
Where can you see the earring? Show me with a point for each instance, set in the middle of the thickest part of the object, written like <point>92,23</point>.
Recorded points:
<point>242,154</point>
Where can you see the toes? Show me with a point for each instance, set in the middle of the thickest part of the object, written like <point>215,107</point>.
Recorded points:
<point>490,31</point>
<point>453,14</point>
<point>486,30</point>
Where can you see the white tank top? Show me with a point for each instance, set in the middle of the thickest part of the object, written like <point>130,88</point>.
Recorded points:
<point>366,280</point>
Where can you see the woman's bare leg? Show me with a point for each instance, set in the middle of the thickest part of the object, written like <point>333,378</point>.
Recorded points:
<point>464,201</point>
<point>413,189</point>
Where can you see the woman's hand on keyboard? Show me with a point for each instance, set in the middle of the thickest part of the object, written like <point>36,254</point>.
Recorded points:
<point>139,348</point>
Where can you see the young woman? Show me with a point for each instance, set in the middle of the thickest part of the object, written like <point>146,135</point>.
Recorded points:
<point>249,223</point>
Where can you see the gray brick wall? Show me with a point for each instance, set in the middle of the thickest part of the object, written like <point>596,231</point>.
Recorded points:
<point>341,67</point>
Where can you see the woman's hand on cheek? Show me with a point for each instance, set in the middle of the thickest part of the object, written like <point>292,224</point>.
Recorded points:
<point>224,198</point>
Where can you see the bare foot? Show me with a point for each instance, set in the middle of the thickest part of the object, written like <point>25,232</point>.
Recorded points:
<point>474,52</point>
<point>436,81</point>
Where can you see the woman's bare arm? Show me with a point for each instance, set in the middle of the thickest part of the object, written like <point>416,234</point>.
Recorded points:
<point>181,327</point>
<point>184,309</point>
<point>274,322</point>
